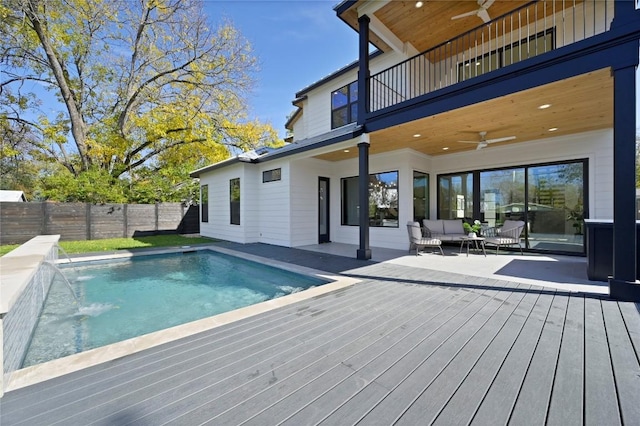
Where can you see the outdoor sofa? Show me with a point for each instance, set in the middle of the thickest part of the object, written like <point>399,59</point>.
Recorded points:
<point>444,229</point>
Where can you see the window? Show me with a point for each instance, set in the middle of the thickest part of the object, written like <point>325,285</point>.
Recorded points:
<point>234,198</point>
<point>383,200</point>
<point>204,203</point>
<point>271,175</point>
<point>420,196</point>
<point>510,54</point>
<point>455,196</point>
<point>344,105</point>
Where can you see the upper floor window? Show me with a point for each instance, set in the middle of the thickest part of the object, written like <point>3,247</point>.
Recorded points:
<point>507,55</point>
<point>344,105</point>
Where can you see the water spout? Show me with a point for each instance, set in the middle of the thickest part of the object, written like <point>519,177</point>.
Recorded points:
<point>66,281</point>
<point>60,249</point>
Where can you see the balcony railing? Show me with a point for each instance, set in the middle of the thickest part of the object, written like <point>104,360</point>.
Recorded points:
<point>531,30</point>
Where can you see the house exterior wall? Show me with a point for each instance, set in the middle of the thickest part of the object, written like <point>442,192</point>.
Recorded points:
<point>285,212</point>
<point>219,224</point>
<point>274,204</point>
<point>304,199</point>
<point>596,146</point>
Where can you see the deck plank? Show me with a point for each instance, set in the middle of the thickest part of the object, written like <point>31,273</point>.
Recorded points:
<point>424,364</point>
<point>377,357</point>
<point>437,393</point>
<point>566,406</point>
<point>533,399</point>
<point>624,359</point>
<point>501,396</point>
<point>600,396</point>
<point>462,405</point>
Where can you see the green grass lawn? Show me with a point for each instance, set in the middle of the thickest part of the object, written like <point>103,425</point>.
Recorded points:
<point>112,244</point>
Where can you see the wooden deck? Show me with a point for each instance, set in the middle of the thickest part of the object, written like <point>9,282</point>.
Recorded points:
<point>405,346</point>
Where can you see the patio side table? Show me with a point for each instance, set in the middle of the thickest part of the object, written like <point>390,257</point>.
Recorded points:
<point>478,244</point>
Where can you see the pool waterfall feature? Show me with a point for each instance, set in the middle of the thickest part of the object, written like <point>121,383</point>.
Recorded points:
<point>24,284</point>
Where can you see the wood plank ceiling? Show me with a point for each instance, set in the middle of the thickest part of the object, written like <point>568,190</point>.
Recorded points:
<point>578,104</point>
<point>431,24</point>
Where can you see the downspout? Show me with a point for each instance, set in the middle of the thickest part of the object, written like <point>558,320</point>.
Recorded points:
<point>364,251</point>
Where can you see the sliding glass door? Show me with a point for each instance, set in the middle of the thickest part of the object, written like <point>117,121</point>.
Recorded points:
<point>502,196</point>
<point>549,198</point>
<point>556,207</point>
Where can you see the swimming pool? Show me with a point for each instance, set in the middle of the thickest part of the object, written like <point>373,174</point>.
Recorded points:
<point>121,299</point>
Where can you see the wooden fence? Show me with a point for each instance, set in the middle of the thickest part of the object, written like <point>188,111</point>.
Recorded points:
<point>19,222</point>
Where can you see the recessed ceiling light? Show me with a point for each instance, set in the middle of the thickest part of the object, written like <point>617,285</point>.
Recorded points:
<point>419,4</point>
<point>445,148</point>
<point>545,106</point>
<point>346,150</point>
<point>553,129</point>
<point>417,135</point>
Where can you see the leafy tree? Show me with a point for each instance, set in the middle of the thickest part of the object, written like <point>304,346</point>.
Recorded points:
<point>140,85</point>
<point>17,169</point>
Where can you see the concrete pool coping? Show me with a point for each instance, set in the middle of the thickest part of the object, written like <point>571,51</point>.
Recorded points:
<point>72,363</point>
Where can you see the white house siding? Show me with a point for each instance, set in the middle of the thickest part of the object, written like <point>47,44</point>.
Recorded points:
<point>274,205</point>
<point>219,225</point>
<point>596,146</point>
<point>304,199</point>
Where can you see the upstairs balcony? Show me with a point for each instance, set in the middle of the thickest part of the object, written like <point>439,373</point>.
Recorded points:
<point>522,32</point>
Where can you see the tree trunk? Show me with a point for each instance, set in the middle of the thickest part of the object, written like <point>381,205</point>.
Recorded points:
<point>78,128</point>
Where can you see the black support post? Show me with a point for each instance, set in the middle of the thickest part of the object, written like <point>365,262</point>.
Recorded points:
<point>364,252</point>
<point>623,285</point>
<point>363,69</point>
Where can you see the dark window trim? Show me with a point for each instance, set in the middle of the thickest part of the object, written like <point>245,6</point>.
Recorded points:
<point>342,179</point>
<point>346,107</point>
<point>204,203</point>
<point>267,175</point>
<point>231,201</point>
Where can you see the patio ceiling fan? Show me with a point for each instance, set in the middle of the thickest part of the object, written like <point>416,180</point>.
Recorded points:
<point>481,12</point>
<point>484,142</point>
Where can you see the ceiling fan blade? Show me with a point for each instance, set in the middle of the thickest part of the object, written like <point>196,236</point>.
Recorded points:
<point>508,138</point>
<point>469,141</point>
<point>480,146</point>
<point>464,15</point>
<point>484,15</point>
<point>487,4</point>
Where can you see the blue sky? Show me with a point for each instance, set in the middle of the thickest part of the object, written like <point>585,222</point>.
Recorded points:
<point>297,42</point>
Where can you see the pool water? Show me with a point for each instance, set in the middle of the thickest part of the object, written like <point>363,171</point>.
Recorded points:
<point>120,299</point>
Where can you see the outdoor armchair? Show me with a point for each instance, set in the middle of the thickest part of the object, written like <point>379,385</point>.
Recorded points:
<point>417,240</point>
<point>506,235</point>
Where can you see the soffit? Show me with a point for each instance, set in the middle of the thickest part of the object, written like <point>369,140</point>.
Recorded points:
<point>431,24</point>
<point>579,104</point>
